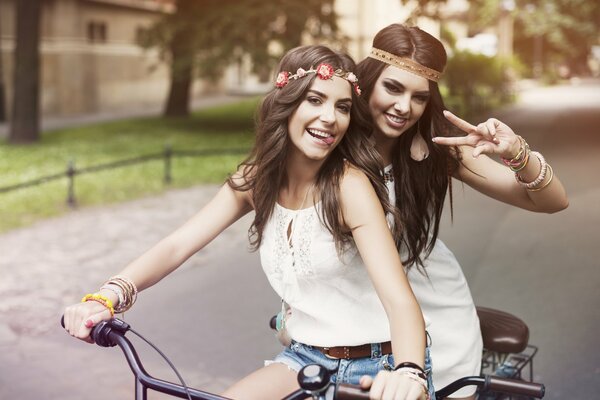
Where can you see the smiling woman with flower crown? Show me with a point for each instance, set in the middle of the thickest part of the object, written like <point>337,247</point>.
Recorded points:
<point>313,180</point>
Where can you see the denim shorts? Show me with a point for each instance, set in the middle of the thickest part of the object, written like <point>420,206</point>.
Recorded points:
<point>298,355</point>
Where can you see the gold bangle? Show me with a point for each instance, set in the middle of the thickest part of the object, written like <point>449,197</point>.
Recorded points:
<point>545,184</point>
<point>523,162</point>
<point>522,145</point>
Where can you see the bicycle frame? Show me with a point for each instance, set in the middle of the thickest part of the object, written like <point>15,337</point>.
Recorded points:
<point>314,379</point>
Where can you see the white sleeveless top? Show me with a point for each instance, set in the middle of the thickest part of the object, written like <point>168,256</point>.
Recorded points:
<point>333,301</point>
<point>449,313</point>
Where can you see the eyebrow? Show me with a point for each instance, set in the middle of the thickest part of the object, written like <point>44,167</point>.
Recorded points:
<point>397,83</point>
<point>347,99</point>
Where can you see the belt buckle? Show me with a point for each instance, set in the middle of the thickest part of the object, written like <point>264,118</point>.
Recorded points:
<point>326,353</point>
<point>345,351</point>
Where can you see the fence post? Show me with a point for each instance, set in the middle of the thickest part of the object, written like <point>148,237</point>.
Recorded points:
<point>71,202</point>
<point>168,156</point>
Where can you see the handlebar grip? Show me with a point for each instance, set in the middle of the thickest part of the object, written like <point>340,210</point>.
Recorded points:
<point>514,386</point>
<point>346,391</point>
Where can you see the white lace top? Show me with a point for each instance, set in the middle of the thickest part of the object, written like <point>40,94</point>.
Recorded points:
<point>333,301</point>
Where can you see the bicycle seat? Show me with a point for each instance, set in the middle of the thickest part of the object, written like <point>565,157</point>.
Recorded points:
<point>502,332</point>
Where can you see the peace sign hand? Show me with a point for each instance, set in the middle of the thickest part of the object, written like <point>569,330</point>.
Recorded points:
<point>489,137</point>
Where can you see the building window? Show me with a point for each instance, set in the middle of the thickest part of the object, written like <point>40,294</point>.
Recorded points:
<point>96,32</point>
<point>142,35</point>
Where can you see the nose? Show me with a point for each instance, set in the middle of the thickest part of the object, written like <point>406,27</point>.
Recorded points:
<point>402,105</point>
<point>327,115</point>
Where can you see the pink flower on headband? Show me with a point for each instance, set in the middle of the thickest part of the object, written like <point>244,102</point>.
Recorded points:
<point>325,71</point>
<point>351,78</point>
<point>300,73</point>
<point>357,89</point>
<point>282,79</point>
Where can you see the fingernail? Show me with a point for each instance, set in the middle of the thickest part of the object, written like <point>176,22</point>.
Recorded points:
<point>89,323</point>
<point>434,140</point>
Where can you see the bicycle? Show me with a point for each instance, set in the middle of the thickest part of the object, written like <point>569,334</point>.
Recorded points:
<point>314,380</point>
<point>506,354</point>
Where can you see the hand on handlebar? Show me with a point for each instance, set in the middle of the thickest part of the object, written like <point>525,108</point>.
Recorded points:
<point>80,318</point>
<point>393,385</point>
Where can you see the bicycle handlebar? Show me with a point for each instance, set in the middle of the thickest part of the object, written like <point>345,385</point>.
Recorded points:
<point>312,378</point>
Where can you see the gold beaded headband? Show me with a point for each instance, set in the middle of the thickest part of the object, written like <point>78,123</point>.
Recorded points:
<point>406,64</point>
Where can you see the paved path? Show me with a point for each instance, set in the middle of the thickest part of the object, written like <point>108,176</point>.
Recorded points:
<point>211,316</point>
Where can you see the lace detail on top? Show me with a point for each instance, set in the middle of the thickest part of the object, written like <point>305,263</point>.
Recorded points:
<point>297,249</point>
<point>332,299</point>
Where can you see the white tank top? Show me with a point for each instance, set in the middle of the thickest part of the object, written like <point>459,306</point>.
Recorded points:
<point>449,313</point>
<point>332,299</point>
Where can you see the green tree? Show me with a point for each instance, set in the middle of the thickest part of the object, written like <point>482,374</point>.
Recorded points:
<point>547,32</point>
<point>553,32</point>
<point>24,127</point>
<point>2,86</point>
<point>202,37</point>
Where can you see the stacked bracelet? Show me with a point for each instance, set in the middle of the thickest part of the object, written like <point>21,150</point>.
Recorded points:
<point>518,162</point>
<point>414,372</point>
<point>99,299</point>
<point>537,189</point>
<point>125,289</point>
<point>540,178</point>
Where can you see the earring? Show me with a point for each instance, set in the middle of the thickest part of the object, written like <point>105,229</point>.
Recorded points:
<point>418,148</point>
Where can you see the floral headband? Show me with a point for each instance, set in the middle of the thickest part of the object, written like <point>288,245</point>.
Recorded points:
<point>323,71</point>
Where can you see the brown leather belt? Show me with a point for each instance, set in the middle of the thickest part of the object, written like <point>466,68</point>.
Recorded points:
<point>348,352</point>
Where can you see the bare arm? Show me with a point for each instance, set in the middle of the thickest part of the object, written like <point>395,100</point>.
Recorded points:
<point>494,179</point>
<point>364,215</point>
<point>225,208</point>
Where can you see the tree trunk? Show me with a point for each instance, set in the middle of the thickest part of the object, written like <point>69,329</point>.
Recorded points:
<point>182,61</point>
<point>25,115</point>
<point>2,86</point>
<point>178,102</point>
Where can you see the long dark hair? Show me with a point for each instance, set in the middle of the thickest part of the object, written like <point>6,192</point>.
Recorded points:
<point>264,170</point>
<point>420,186</point>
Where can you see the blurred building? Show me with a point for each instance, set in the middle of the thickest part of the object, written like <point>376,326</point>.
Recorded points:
<point>91,61</point>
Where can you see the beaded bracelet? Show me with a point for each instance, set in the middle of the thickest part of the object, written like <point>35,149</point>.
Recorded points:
<point>98,298</point>
<point>537,189</point>
<point>540,178</point>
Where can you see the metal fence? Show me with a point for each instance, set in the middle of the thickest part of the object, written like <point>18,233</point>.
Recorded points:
<point>167,155</point>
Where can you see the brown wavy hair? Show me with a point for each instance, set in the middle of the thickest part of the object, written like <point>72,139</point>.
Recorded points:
<point>264,170</point>
<point>420,186</point>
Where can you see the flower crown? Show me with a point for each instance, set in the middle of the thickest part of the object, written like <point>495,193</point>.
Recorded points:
<point>323,71</point>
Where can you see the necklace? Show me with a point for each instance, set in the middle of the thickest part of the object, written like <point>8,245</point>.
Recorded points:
<point>292,226</point>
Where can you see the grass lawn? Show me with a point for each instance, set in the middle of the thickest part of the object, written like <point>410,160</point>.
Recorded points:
<point>229,126</point>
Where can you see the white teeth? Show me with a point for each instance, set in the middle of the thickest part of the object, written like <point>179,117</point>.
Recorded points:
<point>395,118</point>
<point>318,133</point>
